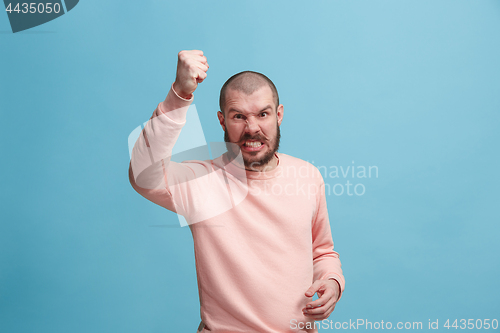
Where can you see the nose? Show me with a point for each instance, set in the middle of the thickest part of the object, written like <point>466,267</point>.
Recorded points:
<point>251,126</point>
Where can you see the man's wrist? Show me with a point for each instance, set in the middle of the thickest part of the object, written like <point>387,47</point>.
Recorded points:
<point>339,288</point>
<point>181,95</point>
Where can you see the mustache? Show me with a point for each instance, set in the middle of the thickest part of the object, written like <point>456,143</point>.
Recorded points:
<point>255,137</point>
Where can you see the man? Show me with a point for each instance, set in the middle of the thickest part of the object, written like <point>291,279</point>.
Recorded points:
<point>259,221</point>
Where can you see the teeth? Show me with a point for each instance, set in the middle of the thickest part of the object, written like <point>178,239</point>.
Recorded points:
<point>253,144</point>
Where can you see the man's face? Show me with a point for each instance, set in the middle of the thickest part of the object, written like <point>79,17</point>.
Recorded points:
<point>252,122</point>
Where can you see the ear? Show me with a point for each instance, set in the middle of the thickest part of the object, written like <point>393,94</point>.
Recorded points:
<point>220,115</point>
<point>279,113</point>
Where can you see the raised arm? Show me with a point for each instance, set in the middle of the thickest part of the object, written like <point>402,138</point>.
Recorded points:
<point>151,153</point>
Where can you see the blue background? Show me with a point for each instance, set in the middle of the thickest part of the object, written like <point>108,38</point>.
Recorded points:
<point>411,87</point>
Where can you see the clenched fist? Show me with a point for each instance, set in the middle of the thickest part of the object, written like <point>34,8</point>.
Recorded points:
<point>192,69</point>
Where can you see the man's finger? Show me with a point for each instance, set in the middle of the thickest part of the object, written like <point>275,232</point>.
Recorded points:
<point>202,66</point>
<point>330,304</point>
<point>322,300</point>
<point>319,316</point>
<point>197,52</point>
<point>313,288</point>
<point>202,59</point>
<point>201,76</point>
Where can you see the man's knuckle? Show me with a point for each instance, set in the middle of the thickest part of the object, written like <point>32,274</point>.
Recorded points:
<point>191,67</point>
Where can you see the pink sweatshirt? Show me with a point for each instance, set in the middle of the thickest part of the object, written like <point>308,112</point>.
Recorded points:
<point>260,238</point>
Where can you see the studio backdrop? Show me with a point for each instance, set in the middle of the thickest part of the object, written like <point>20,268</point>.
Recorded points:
<point>397,103</point>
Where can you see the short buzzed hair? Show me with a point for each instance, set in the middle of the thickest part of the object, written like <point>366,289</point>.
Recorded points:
<point>247,82</point>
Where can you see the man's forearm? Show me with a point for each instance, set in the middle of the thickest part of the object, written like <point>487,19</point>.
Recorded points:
<point>156,141</point>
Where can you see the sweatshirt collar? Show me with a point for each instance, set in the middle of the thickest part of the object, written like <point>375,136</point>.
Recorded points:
<point>238,171</point>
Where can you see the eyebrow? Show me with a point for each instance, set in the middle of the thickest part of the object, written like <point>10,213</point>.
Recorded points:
<point>264,109</point>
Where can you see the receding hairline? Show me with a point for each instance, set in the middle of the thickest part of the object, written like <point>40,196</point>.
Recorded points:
<point>247,82</point>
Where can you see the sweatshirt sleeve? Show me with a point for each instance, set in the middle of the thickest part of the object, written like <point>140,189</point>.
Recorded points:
<point>150,158</point>
<point>326,261</point>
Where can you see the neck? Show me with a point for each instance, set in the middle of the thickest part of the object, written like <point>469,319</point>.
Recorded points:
<point>269,166</point>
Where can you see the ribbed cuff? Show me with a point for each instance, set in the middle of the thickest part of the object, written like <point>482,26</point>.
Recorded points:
<point>174,106</point>
<point>176,94</point>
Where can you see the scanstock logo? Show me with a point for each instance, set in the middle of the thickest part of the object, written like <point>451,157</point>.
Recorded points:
<point>25,15</point>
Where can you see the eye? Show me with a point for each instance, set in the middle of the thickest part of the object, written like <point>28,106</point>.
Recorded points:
<point>264,114</point>
<point>238,116</point>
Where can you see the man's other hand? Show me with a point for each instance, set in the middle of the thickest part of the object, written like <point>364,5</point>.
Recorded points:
<point>192,69</point>
<point>328,295</point>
